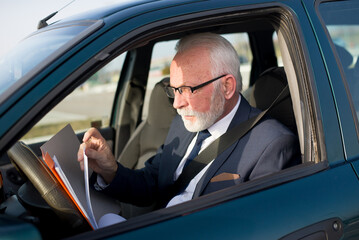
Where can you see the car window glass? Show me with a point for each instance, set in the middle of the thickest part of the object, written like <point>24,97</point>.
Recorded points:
<point>163,53</point>
<point>88,105</point>
<point>342,21</point>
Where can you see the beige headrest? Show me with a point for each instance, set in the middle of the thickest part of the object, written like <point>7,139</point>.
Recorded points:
<point>160,109</point>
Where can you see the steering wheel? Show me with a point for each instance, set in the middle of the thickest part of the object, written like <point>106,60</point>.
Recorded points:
<point>26,161</point>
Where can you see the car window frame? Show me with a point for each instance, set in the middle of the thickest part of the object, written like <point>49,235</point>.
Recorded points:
<point>235,191</point>
<point>313,102</point>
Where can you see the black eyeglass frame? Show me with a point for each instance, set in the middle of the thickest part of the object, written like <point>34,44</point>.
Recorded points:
<point>179,89</point>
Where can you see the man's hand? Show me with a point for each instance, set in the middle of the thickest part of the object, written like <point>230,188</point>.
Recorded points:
<point>99,154</point>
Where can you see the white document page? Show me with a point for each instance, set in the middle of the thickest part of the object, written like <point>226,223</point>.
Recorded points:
<point>65,145</point>
<point>87,190</point>
<point>68,185</point>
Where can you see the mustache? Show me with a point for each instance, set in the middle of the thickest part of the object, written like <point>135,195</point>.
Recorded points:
<point>186,112</point>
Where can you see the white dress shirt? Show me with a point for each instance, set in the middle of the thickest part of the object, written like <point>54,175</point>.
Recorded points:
<point>216,130</point>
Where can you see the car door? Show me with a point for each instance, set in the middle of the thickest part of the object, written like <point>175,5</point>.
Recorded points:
<point>305,198</point>
<point>308,205</point>
<point>321,192</point>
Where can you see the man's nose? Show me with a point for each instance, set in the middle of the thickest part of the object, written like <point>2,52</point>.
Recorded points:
<point>179,101</point>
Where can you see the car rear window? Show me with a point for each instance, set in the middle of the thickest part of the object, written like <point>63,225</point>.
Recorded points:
<point>342,21</point>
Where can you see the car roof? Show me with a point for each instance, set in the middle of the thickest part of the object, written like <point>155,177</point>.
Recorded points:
<point>130,6</point>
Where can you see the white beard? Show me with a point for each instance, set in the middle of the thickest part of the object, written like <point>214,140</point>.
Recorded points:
<point>204,119</point>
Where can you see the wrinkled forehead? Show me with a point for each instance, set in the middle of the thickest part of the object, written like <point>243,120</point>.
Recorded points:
<point>191,67</point>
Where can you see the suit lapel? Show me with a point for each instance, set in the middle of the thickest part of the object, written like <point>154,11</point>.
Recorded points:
<point>180,152</point>
<point>174,150</point>
<point>241,115</point>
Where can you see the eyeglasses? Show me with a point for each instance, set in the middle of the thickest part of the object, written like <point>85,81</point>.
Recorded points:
<point>187,91</point>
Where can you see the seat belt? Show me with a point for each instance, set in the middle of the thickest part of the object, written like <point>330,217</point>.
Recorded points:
<point>221,144</point>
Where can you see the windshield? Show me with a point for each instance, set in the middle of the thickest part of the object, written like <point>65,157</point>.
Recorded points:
<point>32,51</point>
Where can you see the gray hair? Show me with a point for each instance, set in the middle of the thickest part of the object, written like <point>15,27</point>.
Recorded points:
<point>224,58</point>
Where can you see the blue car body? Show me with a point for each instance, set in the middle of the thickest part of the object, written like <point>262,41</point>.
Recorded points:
<point>317,199</point>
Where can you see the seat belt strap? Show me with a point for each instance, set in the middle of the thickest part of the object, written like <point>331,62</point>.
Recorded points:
<point>221,144</point>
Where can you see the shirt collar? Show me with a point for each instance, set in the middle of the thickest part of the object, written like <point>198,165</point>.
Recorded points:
<point>220,127</point>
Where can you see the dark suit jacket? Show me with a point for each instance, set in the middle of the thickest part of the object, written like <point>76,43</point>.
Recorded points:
<point>267,148</point>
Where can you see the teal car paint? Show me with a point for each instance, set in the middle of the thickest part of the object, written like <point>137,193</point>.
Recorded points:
<point>314,41</point>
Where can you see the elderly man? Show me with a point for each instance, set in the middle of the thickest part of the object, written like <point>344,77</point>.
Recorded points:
<point>205,83</point>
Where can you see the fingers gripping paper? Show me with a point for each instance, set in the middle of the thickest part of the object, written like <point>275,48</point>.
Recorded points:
<point>60,155</point>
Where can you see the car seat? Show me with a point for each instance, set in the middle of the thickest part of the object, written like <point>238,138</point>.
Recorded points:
<point>351,72</point>
<point>147,138</point>
<point>266,89</point>
<point>345,57</point>
<point>151,133</point>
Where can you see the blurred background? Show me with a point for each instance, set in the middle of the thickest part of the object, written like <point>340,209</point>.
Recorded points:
<point>19,18</point>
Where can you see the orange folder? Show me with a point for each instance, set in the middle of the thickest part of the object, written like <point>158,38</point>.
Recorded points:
<point>51,165</point>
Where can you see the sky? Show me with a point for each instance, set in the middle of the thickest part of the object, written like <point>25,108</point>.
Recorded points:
<point>19,18</point>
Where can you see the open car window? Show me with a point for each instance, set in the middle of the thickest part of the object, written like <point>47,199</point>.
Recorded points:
<point>148,64</point>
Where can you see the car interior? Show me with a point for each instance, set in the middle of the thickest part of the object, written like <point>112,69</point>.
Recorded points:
<point>273,64</point>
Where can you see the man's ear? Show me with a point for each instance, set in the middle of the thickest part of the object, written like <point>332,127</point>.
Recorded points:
<point>229,85</point>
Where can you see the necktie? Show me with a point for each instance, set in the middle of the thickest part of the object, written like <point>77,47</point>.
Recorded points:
<point>202,135</point>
